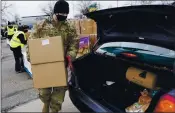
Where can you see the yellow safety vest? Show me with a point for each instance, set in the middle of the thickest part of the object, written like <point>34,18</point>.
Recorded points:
<point>10,31</point>
<point>15,42</point>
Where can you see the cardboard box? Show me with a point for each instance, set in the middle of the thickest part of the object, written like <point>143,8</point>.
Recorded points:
<point>77,26</point>
<point>47,59</point>
<point>46,50</point>
<point>94,28</point>
<point>93,40</point>
<point>86,26</point>
<point>49,75</point>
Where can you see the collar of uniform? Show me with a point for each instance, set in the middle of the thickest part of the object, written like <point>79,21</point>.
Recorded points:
<point>59,24</point>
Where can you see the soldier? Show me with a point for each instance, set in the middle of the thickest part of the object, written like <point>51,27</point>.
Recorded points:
<point>58,26</point>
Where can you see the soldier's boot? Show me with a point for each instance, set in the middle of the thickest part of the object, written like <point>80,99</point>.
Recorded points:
<point>46,108</point>
<point>55,107</point>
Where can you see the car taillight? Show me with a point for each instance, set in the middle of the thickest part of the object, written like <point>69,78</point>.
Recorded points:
<point>166,103</point>
<point>131,55</point>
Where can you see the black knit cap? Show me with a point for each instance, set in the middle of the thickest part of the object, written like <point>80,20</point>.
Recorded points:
<point>61,6</point>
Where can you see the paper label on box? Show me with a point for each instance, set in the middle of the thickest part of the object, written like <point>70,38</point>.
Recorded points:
<point>45,42</point>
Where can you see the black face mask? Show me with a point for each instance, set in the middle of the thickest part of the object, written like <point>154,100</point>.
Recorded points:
<point>61,18</point>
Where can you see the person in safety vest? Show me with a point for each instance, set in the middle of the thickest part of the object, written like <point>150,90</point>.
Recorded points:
<point>10,31</point>
<point>53,97</point>
<point>2,31</point>
<point>17,42</point>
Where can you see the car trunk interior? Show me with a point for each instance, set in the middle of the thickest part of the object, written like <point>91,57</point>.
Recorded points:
<point>104,79</point>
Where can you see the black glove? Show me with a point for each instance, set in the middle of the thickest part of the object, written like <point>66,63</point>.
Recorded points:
<point>66,62</point>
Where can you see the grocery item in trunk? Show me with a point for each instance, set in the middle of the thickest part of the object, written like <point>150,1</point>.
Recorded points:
<point>141,77</point>
<point>142,104</point>
<point>144,98</point>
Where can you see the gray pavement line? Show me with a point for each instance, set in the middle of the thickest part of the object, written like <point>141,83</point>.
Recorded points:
<point>4,60</point>
<point>5,110</point>
<point>6,57</point>
<point>15,93</point>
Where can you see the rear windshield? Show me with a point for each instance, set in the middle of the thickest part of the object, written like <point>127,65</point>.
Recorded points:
<point>139,48</point>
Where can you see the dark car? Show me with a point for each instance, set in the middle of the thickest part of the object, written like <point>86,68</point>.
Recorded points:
<point>134,53</point>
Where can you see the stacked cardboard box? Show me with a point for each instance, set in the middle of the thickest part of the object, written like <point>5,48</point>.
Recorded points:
<point>47,60</point>
<point>94,31</point>
<point>86,26</point>
<point>87,30</point>
<point>77,26</point>
<point>93,39</point>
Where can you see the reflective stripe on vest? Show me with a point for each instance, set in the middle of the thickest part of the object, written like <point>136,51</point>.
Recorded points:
<point>15,42</point>
<point>10,31</point>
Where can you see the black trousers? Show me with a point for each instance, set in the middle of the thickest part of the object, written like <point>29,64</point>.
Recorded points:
<point>19,64</point>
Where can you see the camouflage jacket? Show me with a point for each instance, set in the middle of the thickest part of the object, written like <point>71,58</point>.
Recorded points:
<point>64,29</point>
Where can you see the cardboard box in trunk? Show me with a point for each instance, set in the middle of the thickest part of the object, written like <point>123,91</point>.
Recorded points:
<point>47,59</point>
<point>49,75</point>
<point>46,50</point>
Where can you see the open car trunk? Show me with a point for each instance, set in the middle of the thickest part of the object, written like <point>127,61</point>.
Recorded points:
<point>95,71</point>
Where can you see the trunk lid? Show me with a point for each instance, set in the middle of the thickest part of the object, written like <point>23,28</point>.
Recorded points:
<point>150,24</point>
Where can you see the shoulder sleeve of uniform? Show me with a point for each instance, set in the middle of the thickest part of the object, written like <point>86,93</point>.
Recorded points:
<point>73,42</point>
<point>38,29</point>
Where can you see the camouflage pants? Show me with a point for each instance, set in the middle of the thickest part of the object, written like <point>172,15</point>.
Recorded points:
<point>53,96</point>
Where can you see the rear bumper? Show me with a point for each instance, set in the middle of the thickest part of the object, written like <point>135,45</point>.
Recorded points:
<point>84,103</point>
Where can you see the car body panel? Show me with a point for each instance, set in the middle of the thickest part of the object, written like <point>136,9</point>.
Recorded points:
<point>150,24</point>
<point>84,102</point>
<point>149,35</point>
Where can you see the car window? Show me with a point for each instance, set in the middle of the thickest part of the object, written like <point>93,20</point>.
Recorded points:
<point>143,48</point>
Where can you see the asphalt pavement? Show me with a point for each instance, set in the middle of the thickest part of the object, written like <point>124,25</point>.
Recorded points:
<point>36,106</point>
<point>17,89</point>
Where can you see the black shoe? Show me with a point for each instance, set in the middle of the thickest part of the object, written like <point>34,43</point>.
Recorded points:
<point>18,71</point>
<point>21,71</point>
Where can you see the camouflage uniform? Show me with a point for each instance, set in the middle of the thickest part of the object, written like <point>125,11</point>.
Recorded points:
<point>54,97</point>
